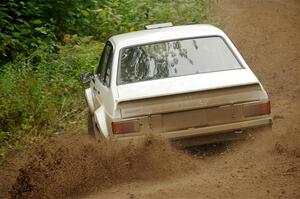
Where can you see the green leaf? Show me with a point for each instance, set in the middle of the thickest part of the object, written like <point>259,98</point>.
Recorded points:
<point>42,30</point>
<point>85,13</point>
<point>36,21</point>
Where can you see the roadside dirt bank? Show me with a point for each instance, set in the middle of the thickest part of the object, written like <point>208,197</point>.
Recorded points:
<point>267,33</point>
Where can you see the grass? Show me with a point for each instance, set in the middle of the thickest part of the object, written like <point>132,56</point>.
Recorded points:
<point>41,94</point>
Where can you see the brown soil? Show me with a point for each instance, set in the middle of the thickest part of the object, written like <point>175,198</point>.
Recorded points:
<point>267,33</point>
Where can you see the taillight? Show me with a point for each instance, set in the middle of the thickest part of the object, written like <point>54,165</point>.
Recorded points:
<point>265,108</point>
<point>251,110</point>
<point>129,126</point>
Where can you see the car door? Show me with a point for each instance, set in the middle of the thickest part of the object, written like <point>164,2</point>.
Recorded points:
<point>102,76</point>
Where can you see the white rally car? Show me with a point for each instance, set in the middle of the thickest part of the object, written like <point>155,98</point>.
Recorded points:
<point>184,83</point>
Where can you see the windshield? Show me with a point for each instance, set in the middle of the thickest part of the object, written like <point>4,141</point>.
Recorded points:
<point>175,58</point>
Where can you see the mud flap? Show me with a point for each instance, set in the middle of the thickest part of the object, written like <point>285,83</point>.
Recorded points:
<point>89,99</point>
<point>100,122</point>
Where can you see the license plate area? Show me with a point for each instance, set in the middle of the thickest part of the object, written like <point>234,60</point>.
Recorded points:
<point>201,117</point>
<point>184,119</point>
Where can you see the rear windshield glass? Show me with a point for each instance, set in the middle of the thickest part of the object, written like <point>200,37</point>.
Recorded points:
<point>175,58</point>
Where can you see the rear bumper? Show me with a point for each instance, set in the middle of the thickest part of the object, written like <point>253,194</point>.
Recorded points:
<point>223,132</point>
<point>204,131</point>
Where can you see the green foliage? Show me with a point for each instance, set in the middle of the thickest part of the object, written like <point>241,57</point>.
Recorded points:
<point>41,92</point>
<point>118,16</point>
<point>29,24</point>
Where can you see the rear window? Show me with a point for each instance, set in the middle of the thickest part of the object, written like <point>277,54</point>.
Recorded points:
<point>175,58</point>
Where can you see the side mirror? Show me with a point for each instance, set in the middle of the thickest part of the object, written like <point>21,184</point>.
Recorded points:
<point>86,77</point>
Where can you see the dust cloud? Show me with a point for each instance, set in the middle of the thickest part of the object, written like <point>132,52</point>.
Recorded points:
<point>78,165</point>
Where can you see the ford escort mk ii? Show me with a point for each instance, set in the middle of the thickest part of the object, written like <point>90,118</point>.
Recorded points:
<point>181,82</point>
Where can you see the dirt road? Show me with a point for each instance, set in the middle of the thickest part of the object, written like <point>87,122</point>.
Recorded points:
<point>267,33</point>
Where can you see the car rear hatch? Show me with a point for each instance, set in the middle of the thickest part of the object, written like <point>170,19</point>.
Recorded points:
<point>190,102</point>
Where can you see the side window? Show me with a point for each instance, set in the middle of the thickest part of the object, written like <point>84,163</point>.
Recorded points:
<point>104,68</point>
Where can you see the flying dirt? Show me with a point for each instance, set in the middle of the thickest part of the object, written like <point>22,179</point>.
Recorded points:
<point>266,165</point>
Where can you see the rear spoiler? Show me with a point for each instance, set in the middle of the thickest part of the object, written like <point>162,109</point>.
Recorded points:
<point>251,86</point>
<point>189,101</point>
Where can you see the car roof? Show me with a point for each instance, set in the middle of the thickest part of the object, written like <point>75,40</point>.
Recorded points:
<point>164,34</point>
